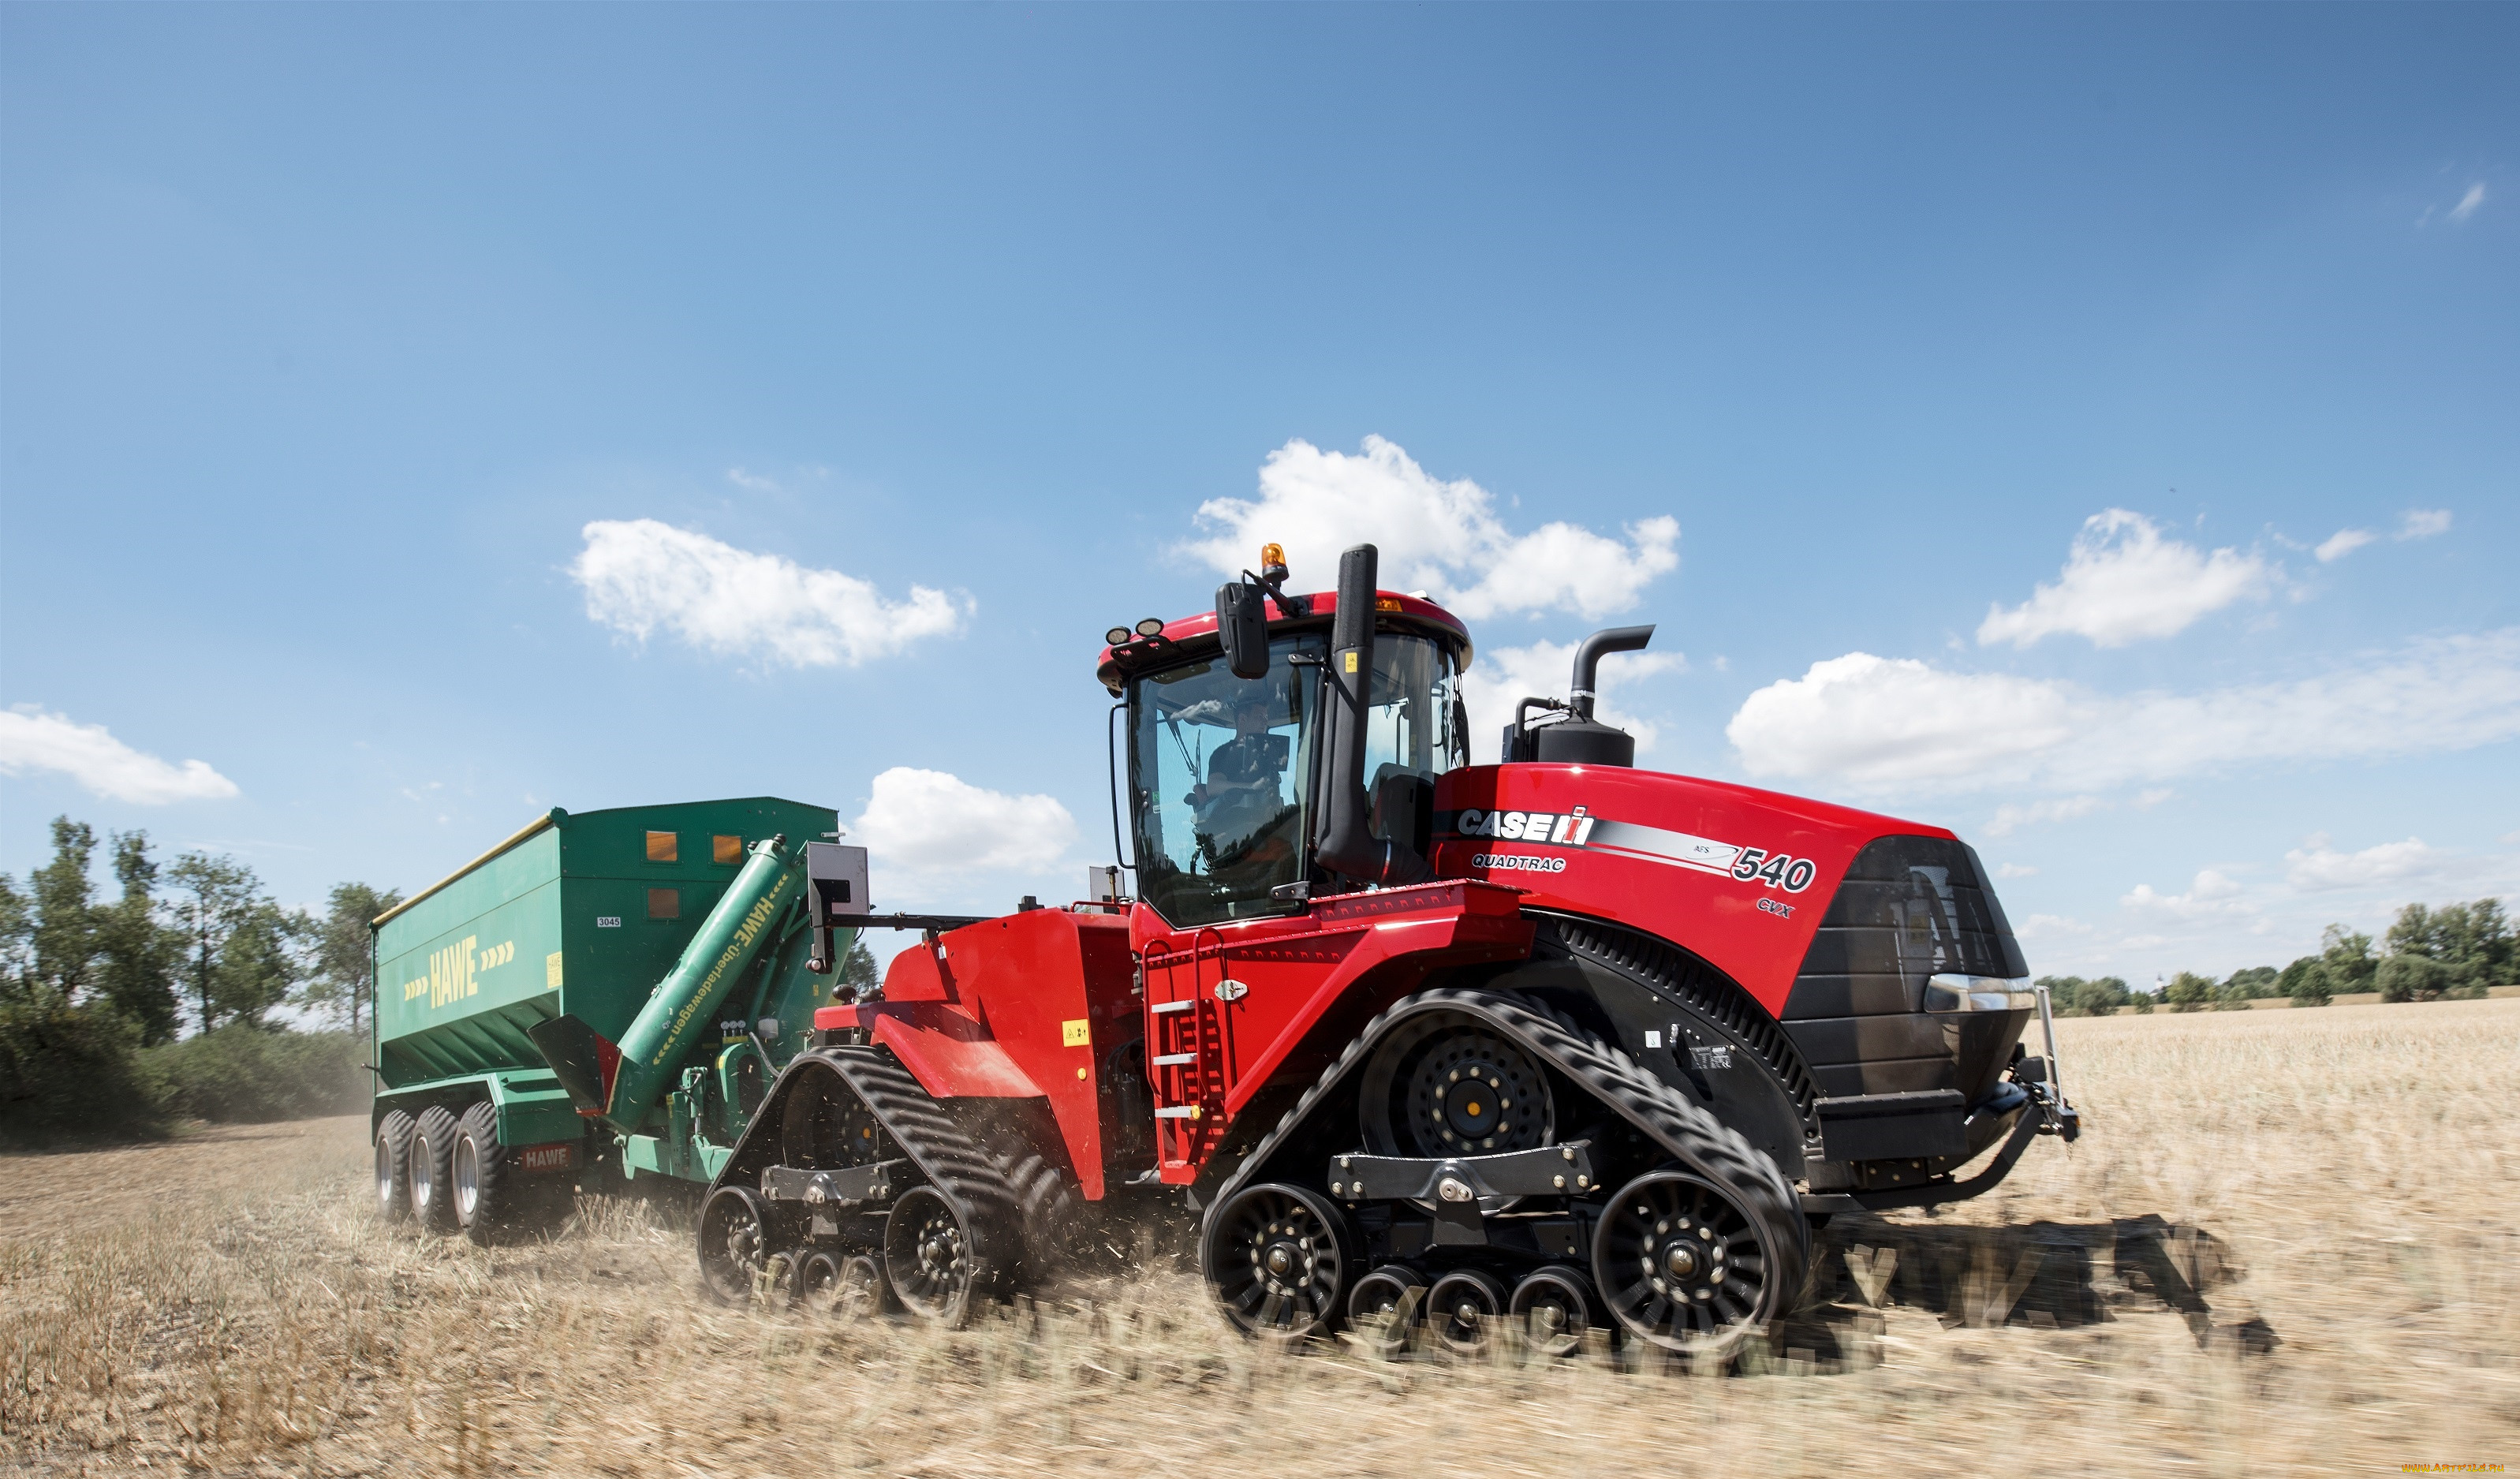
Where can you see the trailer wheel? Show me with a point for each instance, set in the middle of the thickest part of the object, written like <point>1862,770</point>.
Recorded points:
<point>1683,1263</point>
<point>735,1237</point>
<point>393,1167</point>
<point>929,1258</point>
<point>433,1169</point>
<point>489,1195</point>
<point>1277,1258</point>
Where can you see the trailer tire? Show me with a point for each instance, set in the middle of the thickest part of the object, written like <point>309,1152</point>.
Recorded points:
<point>489,1194</point>
<point>433,1169</point>
<point>393,1167</point>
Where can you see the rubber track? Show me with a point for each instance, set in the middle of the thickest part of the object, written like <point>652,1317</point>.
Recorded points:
<point>1693,1138</point>
<point>1675,973</point>
<point>952,1163</point>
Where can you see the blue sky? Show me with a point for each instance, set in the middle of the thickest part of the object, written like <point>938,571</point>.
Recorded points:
<point>372,377</point>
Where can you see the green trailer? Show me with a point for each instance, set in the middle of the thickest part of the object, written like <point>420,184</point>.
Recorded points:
<point>680,930</point>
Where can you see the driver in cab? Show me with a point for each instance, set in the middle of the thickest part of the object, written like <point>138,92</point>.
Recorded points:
<point>1240,792</point>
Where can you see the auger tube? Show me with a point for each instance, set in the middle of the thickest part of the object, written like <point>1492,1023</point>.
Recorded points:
<point>619,1082</point>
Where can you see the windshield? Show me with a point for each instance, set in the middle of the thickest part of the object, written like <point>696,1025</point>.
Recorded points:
<point>1222,767</point>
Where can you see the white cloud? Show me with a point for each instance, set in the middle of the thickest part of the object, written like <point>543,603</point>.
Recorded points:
<point>2318,868</point>
<point>2017,870</point>
<point>641,575</point>
<point>1443,537</point>
<point>2011,816</point>
<point>1501,677</point>
<point>931,822</point>
<point>33,738</point>
<point>2342,543</point>
<point>750,482</point>
<point>1886,725</point>
<point>2050,926</point>
<point>2124,582</point>
<point>2147,801</point>
<point>2423,524</point>
<point>2212,893</point>
<point>2468,203</point>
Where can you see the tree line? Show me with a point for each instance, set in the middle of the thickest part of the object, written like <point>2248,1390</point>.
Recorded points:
<point>2428,954</point>
<point>98,987</point>
<point>197,941</point>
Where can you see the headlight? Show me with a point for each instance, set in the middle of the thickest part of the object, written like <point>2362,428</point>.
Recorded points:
<point>1973,993</point>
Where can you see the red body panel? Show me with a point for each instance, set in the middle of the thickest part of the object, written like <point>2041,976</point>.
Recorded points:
<point>1660,855</point>
<point>1292,972</point>
<point>1011,1008</point>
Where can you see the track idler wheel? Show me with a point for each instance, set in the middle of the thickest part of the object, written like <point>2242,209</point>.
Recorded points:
<point>1551,1309</point>
<point>1383,1309</point>
<point>932,1258</point>
<point>1681,1262</point>
<point>1462,1311</point>
<point>1276,1259</point>
<point>1445,1084</point>
<point>734,1243</point>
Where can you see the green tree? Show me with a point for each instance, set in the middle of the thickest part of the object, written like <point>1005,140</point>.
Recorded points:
<point>2250,984</point>
<point>2414,977</point>
<point>138,956</point>
<point>341,976</point>
<point>2074,996</point>
<point>64,927</point>
<point>857,967</point>
<point>17,937</point>
<point>242,951</point>
<point>2305,980</point>
<point>2347,958</point>
<point>2471,942</point>
<point>2188,992</point>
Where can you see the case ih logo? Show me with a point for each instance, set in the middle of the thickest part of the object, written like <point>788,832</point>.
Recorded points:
<point>1627,840</point>
<point>559,1157</point>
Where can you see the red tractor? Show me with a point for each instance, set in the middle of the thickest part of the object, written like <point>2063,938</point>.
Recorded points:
<point>1426,1045</point>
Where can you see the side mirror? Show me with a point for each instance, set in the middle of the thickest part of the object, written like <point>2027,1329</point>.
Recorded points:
<point>1243,625</point>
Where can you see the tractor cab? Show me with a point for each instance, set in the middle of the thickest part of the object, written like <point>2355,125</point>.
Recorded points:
<point>1230,783</point>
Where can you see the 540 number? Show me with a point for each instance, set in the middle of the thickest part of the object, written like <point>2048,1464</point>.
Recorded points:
<point>1776,870</point>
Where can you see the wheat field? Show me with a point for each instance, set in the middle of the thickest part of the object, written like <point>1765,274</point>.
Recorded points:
<point>2285,1245</point>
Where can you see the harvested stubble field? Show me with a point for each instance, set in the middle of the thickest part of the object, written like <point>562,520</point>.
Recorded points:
<point>2286,1245</point>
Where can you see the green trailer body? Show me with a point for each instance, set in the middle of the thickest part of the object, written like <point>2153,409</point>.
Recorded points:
<point>586,913</point>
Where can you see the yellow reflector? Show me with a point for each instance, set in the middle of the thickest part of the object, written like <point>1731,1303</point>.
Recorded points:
<point>663,848</point>
<point>725,849</point>
<point>551,970</point>
<point>664,903</point>
<point>1272,555</point>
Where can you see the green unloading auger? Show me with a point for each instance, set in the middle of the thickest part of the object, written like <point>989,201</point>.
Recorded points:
<point>619,1082</point>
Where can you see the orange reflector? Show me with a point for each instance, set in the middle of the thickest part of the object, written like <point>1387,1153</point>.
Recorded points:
<point>1387,602</point>
<point>664,903</point>
<point>663,848</point>
<point>725,849</point>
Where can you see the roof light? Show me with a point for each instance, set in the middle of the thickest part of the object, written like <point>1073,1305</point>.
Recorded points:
<point>1272,556</point>
<point>1152,626</point>
<point>1116,636</point>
